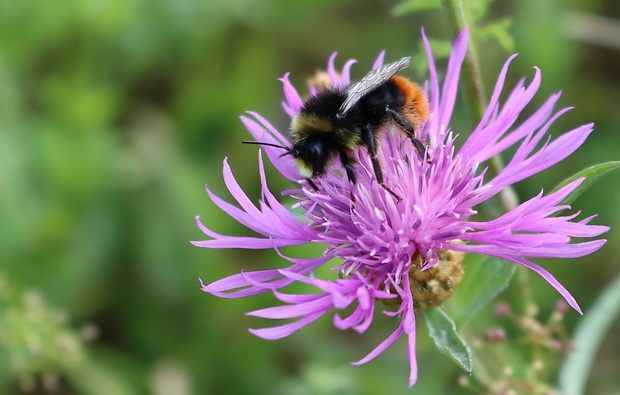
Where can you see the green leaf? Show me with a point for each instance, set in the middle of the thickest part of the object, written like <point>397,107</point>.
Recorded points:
<point>499,31</point>
<point>443,331</point>
<point>476,10</point>
<point>588,337</point>
<point>485,277</point>
<point>592,175</point>
<point>413,6</point>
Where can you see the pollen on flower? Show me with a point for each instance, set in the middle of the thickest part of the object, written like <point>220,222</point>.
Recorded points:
<point>433,286</point>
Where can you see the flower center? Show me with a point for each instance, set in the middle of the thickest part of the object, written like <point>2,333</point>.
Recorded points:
<point>433,286</point>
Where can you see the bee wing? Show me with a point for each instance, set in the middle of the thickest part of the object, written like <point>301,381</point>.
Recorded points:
<point>372,80</point>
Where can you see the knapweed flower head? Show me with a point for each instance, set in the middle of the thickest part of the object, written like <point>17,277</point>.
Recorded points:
<point>404,253</point>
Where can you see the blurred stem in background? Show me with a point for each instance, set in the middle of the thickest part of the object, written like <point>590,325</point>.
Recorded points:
<point>475,101</point>
<point>471,84</point>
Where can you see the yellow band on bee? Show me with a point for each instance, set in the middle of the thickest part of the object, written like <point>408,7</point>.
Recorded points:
<point>304,123</point>
<point>304,169</point>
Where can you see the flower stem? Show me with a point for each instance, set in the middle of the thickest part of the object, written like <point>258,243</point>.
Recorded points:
<point>471,84</point>
<point>523,301</point>
<point>475,102</point>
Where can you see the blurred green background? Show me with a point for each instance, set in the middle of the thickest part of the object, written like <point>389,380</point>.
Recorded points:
<point>114,115</point>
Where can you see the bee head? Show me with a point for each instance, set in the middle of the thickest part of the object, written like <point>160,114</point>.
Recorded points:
<point>312,157</point>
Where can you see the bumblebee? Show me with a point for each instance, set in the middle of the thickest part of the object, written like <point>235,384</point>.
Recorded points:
<point>336,121</point>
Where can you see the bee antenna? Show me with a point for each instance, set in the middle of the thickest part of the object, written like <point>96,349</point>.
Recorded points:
<point>287,149</point>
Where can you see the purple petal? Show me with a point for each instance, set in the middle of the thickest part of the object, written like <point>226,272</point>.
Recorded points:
<point>528,208</point>
<point>258,132</point>
<point>326,286</point>
<point>283,164</point>
<point>290,93</point>
<point>206,230</point>
<point>379,61</point>
<point>408,324</point>
<point>287,109</point>
<point>546,157</point>
<point>346,73</point>
<point>576,250</point>
<point>494,102</point>
<point>286,221</point>
<point>238,193</point>
<point>544,250</point>
<point>278,332</point>
<point>224,287</point>
<point>532,123</point>
<point>321,305</point>
<point>331,70</point>
<point>365,324</point>
<point>381,347</point>
<point>413,363</point>
<point>353,319</point>
<point>533,139</point>
<point>451,83</point>
<point>237,214</point>
<point>550,279</point>
<point>433,123</point>
<point>221,241</point>
<point>484,138</point>
<point>252,243</point>
<point>296,298</point>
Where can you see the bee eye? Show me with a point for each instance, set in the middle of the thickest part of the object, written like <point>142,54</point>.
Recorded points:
<point>312,157</point>
<point>316,150</point>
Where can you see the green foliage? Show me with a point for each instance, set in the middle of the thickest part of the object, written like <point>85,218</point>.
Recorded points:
<point>35,338</point>
<point>447,340</point>
<point>485,277</point>
<point>592,175</point>
<point>498,30</point>
<point>413,6</point>
<point>476,11</point>
<point>589,335</point>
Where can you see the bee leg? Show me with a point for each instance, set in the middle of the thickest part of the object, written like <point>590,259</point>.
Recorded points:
<point>347,163</point>
<point>369,139</point>
<point>348,166</point>
<point>312,184</point>
<point>402,121</point>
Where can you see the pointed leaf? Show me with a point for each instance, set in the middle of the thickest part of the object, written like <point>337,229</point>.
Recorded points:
<point>485,277</point>
<point>478,9</point>
<point>499,30</point>
<point>413,6</point>
<point>448,341</point>
<point>592,174</point>
<point>588,337</point>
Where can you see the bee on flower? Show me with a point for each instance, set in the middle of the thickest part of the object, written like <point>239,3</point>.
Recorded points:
<point>398,217</point>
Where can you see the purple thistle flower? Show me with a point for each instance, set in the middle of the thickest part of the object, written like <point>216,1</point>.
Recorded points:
<point>381,242</point>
